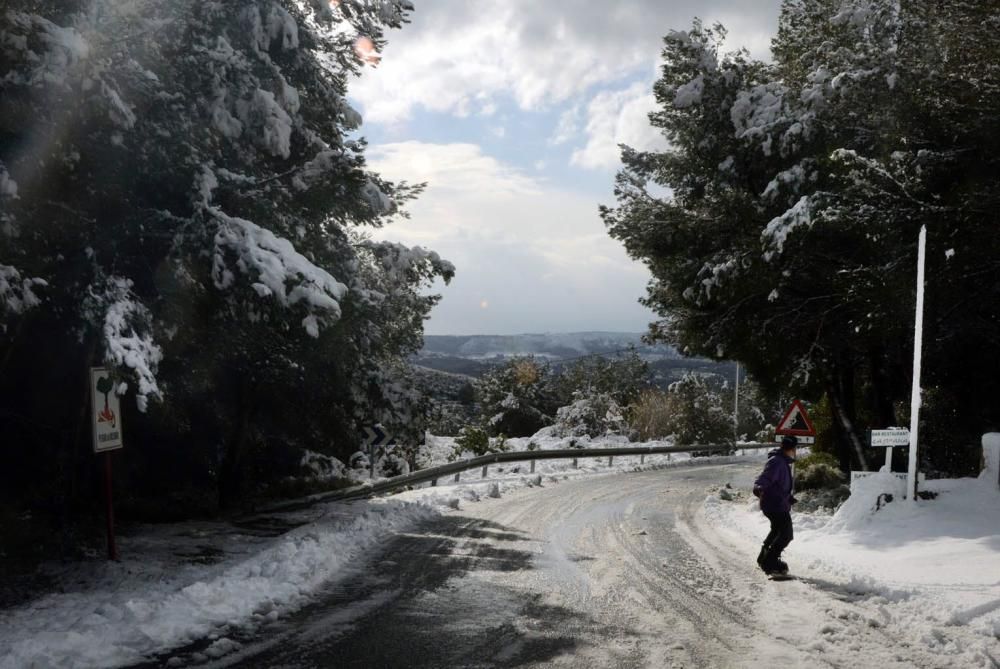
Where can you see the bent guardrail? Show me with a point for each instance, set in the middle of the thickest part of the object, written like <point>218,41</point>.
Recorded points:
<point>433,474</point>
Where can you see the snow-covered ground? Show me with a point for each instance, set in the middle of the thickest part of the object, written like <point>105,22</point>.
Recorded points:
<point>179,583</point>
<point>932,565</point>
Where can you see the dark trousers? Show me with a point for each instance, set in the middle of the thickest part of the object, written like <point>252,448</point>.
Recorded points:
<point>777,539</point>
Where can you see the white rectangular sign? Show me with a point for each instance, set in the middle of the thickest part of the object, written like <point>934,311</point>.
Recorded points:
<point>900,437</point>
<point>106,411</point>
<point>801,440</point>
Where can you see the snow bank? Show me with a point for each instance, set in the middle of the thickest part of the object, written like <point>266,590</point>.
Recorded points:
<point>867,495</point>
<point>991,457</point>
<point>118,614</point>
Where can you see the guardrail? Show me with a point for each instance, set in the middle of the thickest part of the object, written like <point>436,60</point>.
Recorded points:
<point>434,474</point>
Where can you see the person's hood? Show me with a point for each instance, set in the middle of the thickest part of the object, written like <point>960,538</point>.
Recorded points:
<point>780,454</point>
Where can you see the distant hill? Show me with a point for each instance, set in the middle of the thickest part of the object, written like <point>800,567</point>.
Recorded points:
<point>472,355</point>
<point>553,346</point>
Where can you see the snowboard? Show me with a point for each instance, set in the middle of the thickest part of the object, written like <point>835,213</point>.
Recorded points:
<point>780,577</point>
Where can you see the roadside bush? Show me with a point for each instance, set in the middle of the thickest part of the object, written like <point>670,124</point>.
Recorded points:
<point>592,415</point>
<point>818,471</point>
<point>695,412</point>
<point>476,441</point>
<point>648,417</point>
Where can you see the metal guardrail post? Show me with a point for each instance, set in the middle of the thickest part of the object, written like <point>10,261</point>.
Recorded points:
<point>458,476</point>
<point>434,483</point>
<point>485,467</point>
<point>642,458</point>
<point>611,459</point>
<point>532,466</point>
<point>574,463</point>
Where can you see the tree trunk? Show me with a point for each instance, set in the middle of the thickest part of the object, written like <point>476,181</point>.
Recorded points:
<point>882,395</point>
<point>842,402</point>
<point>232,472</point>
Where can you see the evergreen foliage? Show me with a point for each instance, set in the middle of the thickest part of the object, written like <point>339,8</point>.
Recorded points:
<point>796,192</point>
<point>183,201</point>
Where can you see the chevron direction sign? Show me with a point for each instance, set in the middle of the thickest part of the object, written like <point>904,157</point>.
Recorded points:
<point>375,435</point>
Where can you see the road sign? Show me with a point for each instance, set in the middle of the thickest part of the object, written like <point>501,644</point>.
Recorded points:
<point>796,423</point>
<point>106,411</point>
<point>893,436</point>
<point>375,435</point>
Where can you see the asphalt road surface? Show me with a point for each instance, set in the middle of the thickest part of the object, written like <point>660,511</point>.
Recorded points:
<point>612,571</point>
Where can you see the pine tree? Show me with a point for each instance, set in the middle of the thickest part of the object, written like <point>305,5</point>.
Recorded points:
<point>796,190</point>
<point>184,200</point>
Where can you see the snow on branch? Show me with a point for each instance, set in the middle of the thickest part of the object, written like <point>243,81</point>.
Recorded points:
<point>8,187</point>
<point>16,294</point>
<point>777,231</point>
<point>400,262</point>
<point>275,268</point>
<point>50,52</point>
<point>125,324</point>
<point>379,202</point>
<point>757,113</point>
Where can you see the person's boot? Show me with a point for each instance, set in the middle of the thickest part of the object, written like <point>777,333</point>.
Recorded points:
<point>762,557</point>
<point>781,567</point>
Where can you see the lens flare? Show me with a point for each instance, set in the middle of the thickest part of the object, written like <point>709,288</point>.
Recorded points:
<point>364,47</point>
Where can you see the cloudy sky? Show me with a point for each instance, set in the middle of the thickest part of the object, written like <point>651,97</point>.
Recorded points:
<point>512,111</point>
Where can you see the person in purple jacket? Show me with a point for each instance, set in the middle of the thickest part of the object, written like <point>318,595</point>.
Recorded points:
<point>774,489</point>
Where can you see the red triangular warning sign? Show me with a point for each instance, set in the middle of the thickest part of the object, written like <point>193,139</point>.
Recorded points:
<point>796,422</point>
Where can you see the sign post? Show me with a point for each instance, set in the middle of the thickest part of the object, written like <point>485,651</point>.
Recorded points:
<point>107,437</point>
<point>888,438</point>
<point>796,423</point>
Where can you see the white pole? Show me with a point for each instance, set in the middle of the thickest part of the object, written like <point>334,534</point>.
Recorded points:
<point>918,336</point>
<point>736,409</point>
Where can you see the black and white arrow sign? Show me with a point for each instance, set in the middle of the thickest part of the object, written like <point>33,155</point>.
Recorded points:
<point>375,435</point>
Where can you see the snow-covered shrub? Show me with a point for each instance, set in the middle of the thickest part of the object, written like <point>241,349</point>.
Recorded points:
<point>818,471</point>
<point>697,413</point>
<point>321,467</point>
<point>475,441</point>
<point>648,417</point>
<point>515,397</point>
<point>593,415</point>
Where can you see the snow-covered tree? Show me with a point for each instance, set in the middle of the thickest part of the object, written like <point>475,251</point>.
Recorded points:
<point>797,189</point>
<point>697,413</point>
<point>515,398</point>
<point>184,199</point>
<point>622,378</point>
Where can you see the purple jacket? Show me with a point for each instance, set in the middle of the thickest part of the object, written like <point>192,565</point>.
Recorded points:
<point>774,484</point>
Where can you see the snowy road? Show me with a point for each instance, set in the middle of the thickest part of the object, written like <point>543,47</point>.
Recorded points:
<point>615,571</point>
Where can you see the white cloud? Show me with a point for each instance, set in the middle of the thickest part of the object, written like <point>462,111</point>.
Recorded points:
<point>568,126</point>
<point>458,57</point>
<point>618,117</point>
<point>538,255</point>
